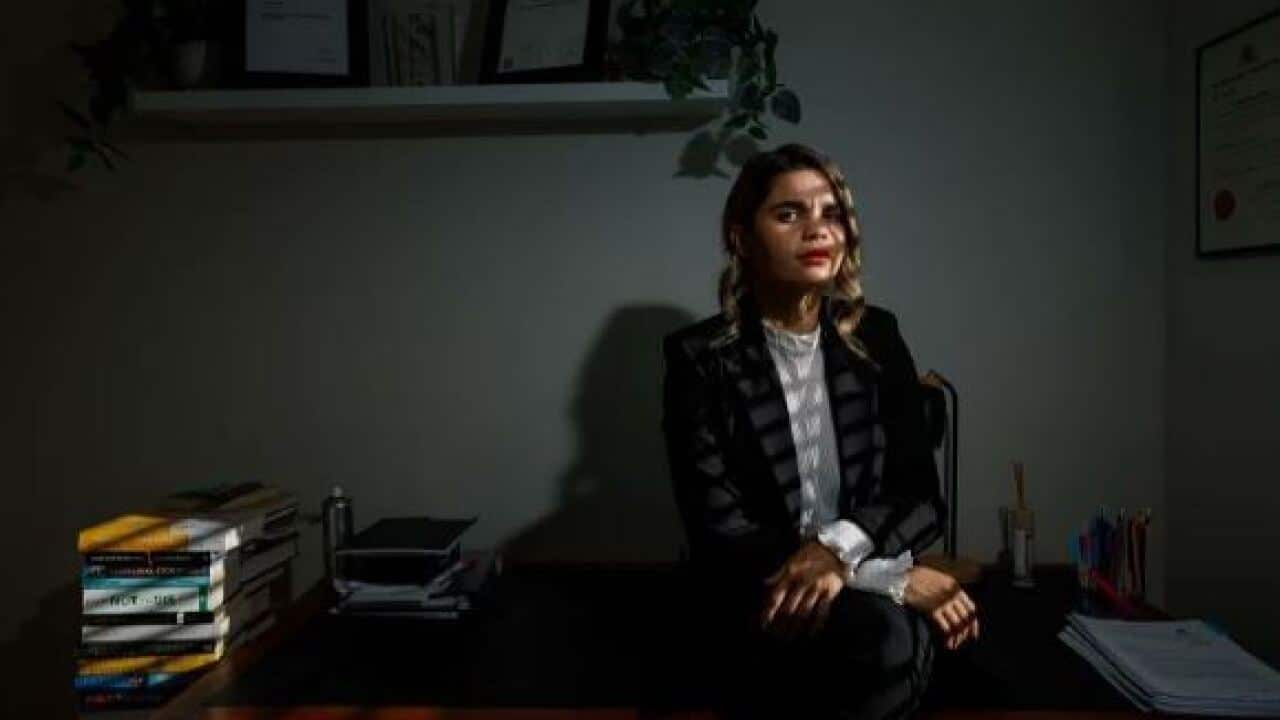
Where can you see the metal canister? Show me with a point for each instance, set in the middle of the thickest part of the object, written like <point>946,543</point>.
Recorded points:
<point>336,519</point>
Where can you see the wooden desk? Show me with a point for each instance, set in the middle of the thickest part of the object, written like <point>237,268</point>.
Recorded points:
<point>597,643</point>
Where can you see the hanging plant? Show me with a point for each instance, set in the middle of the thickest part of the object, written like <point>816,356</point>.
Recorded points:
<point>137,48</point>
<point>684,43</point>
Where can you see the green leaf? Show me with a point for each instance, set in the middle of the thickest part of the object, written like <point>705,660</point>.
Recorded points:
<point>112,148</point>
<point>106,160</point>
<point>79,144</point>
<point>677,88</point>
<point>75,115</point>
<point>786,105</point>
<point>757,132</point>
<point>738,120</point>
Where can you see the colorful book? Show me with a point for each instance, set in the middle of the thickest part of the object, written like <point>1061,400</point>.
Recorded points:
<point>146,664</point>
<point>130,681</point>
<point>253,599</point>
<point>151,647</point>
<point>147,688</point>
<point>140,587</point>
<point>143,595</point>
<point>187,523</point>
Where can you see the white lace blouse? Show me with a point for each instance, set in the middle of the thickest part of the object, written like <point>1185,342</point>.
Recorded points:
<point>798,358</point>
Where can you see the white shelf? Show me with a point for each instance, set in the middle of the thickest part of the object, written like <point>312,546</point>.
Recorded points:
<point>611,102</point>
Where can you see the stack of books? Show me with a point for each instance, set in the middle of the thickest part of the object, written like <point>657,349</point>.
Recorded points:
<point>166,593</point>
<point>412,567</point>
<point>1175,666</point>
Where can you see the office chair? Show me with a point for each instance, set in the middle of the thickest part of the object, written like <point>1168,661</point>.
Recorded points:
<point>942,420</point>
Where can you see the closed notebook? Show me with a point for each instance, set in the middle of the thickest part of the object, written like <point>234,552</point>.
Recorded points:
<point>408,536</point>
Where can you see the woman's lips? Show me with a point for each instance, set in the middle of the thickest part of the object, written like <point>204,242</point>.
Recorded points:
<point>817,257</point>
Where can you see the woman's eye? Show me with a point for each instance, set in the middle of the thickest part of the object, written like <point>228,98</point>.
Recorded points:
<point>787,216</point>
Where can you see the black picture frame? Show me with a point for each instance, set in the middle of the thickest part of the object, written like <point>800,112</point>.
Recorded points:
<point>591,69</point>
<point>234,74</point>
<point>1269,248</point>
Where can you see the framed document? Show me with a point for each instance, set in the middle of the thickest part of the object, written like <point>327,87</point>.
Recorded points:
<point>545,41</point>
<point>1238,141</point>
<point>296,43</point>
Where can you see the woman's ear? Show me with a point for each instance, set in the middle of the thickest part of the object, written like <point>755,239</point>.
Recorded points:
<point>735,237</point>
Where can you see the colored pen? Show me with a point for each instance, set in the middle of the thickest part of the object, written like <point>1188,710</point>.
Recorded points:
<point>1109,591</point>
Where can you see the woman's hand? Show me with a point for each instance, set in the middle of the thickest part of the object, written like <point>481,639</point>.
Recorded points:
<point>938,595</point>
<point>800,592</point>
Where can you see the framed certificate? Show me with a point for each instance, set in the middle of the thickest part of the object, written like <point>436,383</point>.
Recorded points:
<point>1238,141</point>
<point>545,41</point>
<point>296,43</point>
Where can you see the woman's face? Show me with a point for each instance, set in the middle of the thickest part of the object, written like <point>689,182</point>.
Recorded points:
<point>799,237</point>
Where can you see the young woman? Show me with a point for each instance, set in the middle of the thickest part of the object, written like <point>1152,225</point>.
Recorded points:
<point>804,478</point>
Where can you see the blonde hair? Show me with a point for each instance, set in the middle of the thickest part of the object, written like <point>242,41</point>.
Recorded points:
<point>748,193</point>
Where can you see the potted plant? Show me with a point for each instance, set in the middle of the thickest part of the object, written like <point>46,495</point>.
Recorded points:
<point>683,43</point>
<point>149,37</point>
<point>186,24</point>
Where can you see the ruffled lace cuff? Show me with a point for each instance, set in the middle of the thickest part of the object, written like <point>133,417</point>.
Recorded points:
<point>887,576</point>
<point>849,542</point>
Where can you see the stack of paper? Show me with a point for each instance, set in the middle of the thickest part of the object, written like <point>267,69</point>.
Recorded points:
<point>432,600</point>
<point>1176,666</point>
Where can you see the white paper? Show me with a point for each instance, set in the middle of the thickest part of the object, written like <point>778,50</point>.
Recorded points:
<point>1176,666</point>
<point>540,34</point>
<point>296,36</point>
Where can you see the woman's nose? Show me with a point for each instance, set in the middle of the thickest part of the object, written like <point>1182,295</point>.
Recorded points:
<point>816,227</point>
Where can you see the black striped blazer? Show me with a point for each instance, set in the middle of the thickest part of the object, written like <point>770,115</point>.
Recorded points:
<point>732,458</point>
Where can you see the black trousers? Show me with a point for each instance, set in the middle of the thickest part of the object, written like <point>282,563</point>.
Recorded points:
<point>873,659</point>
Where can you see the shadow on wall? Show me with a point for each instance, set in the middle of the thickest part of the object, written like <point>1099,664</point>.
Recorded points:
<point>616,503</point>
<point>40,660</point>
<point>700,157</point>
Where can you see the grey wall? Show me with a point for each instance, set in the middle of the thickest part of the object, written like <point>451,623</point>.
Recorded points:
<point>1223,391</point>
<point>471,325</point>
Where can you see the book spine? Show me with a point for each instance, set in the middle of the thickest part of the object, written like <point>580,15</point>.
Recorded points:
<point>156,647</point>
<point>125,699</point>
<point>134,582</point>
<point>90,574</point>
<point>145,664</point>
<point>151,598</point>
<point>127,681</point>
<point>122,559</point>
<point>204,632</point>
<point>143,533</point>
<point>150,618</point>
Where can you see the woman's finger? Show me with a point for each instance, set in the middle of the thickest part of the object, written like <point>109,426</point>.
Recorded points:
<point>940,619</point>
<point>772,602</point>
<point>784,617</point>
<point>966,633</point>
<point>808,610</point>
<point>795,596</point>
<point>820,613</point>
<point>950,616</point>
<point>812,596</point>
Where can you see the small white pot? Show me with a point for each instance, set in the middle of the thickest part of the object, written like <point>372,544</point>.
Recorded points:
<point>188,62</point>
